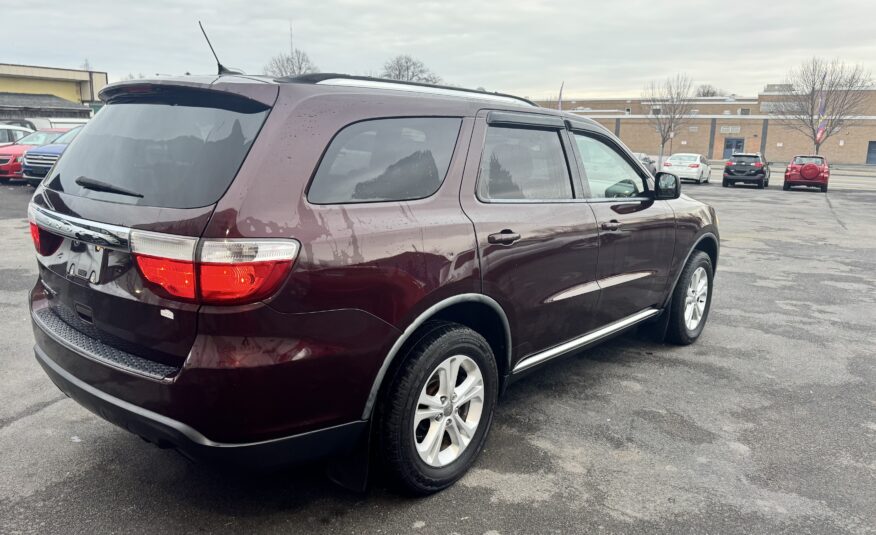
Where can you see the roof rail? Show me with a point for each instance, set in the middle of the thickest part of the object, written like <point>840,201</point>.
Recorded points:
<point>398,85</point>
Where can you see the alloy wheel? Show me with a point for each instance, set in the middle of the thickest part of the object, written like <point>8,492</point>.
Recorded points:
<point>448,411</point>
<point>695,298</point>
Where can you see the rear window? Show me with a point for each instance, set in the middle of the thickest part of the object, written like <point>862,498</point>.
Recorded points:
<point>803,160</point>
<point>385,160</point>
<point>39,138</point>
<point>745,158</point>
<point>179,150</point>
<point>683,158</point>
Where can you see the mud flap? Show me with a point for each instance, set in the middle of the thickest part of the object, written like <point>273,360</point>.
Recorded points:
<point>655,330</point>
<point>351,471</point>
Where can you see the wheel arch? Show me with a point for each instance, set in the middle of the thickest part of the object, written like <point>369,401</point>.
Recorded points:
<point>476,311</point>
<point>706,242</point>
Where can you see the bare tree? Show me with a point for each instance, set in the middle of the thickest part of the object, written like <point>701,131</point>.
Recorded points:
<point>708,90</point>
<point>408,69</point>
<point>291,64</point>
<point>669,106</point>
<point>823,97</point>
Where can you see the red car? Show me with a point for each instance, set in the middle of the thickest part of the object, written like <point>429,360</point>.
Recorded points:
<point>11,155</point>
<point>812,171</point>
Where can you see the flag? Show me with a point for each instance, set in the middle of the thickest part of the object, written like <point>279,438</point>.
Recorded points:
<point>822,122</point>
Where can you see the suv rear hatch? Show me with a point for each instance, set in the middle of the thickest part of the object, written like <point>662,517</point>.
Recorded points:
<point>125,205</point>
<point>744,164</point>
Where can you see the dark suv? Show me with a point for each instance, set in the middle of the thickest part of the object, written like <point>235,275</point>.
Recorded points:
<point>747,169</point>
<point>261,271</point>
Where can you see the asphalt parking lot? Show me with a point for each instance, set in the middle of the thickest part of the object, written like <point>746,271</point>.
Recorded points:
<point>767,424</point>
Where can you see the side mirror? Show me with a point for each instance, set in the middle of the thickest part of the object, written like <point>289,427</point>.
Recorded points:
<point>667,186</point>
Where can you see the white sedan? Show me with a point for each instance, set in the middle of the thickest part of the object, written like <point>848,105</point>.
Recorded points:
<point>688,167</point>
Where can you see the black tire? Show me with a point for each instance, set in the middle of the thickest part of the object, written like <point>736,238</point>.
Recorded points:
<point>725,183</point>
<point>786,186</point>
<point>823,189</point>
<point>760,184</point>
<point>677,331</point>
<point>396,434</point>
<point>4,181</point>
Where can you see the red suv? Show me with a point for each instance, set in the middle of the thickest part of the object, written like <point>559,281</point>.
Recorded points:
<point>812,171</point>
<point>263,271</point>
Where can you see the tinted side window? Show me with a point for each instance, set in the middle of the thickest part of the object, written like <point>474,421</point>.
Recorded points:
<point>520,163</point>
<point>607,172</point>
<point>386,160</point>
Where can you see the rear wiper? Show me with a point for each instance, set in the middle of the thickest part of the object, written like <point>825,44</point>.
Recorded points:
<point>99,185</point>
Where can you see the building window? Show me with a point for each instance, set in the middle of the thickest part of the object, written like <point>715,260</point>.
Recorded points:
<point>693,129</point>
<point>655,111</point>
<point>744,111</point>
<point>628,111</point>
<point>730,129</point>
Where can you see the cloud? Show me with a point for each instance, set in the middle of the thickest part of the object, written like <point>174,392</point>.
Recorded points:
<point>606,48</point>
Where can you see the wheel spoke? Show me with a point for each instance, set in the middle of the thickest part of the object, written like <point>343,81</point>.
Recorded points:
<point>455,436</point>
<point>701,307</point>
<point>423,414</point>
<point>431,445</point>
<point>471,388</point>
<point>452,374</point>
<point>702,286</point>
<point>433,402</point>
<point>466,430</point>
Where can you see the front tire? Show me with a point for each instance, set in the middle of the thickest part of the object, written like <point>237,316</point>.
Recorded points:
<point>691,300</point>
<point>435,416</point>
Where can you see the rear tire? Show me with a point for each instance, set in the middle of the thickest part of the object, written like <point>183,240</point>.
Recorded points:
<point>786,186</point>
<point>418,389</point>
<point>823,189</point>
<point>4,181</point>
<point>691,301</point>
<point>725,183</point>
<point>760,184</point>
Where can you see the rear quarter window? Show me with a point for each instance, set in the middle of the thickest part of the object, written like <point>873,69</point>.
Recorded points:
<point>385,160</point>
<point>803,160</point>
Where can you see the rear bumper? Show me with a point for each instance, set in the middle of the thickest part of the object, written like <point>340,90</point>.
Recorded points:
<point>745,178</point>
<point>277,400</point>
<point>800,181</point>
<point>167,432</point>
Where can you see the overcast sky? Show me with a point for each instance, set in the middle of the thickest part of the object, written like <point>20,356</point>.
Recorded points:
<point>606,48</point>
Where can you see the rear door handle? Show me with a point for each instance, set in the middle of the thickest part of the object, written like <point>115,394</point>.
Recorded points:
<point>506,237</point>
<point>612,225</point>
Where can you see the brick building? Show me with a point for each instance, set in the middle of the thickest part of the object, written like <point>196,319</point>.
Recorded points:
<point>722,125</point>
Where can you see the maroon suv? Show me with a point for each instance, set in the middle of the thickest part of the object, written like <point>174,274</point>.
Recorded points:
<point>264,271</point>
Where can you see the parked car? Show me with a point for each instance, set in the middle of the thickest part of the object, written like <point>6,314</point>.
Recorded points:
<point>264,271</point>
<point>811,171</point>
<point>747,169</point>
<point>9,134</point>
<point>688,166</point>
<point>37,162</point>
<point>647,161</point>
<point>11,155</point>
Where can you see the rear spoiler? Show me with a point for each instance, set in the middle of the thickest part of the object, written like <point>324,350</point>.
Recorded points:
<point>235,86</point>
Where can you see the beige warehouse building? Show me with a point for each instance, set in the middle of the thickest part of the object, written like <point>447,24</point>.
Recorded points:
<point>723,125</point>
<point>31,92</point>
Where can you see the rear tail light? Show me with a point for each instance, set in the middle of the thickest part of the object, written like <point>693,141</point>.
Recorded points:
<point>758,164</point>
<point>667,164</point>
<point>221,272</point>
<point>233,271</point>
<point>729,163</point>
<point>694,165</point>
<point>44,241</point>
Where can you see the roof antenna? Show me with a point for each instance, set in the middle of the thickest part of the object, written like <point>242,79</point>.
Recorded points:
<point>222,68</point>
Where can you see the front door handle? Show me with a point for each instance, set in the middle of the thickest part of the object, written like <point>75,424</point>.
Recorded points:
<point>612,225</point>
<point>506,237</point>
